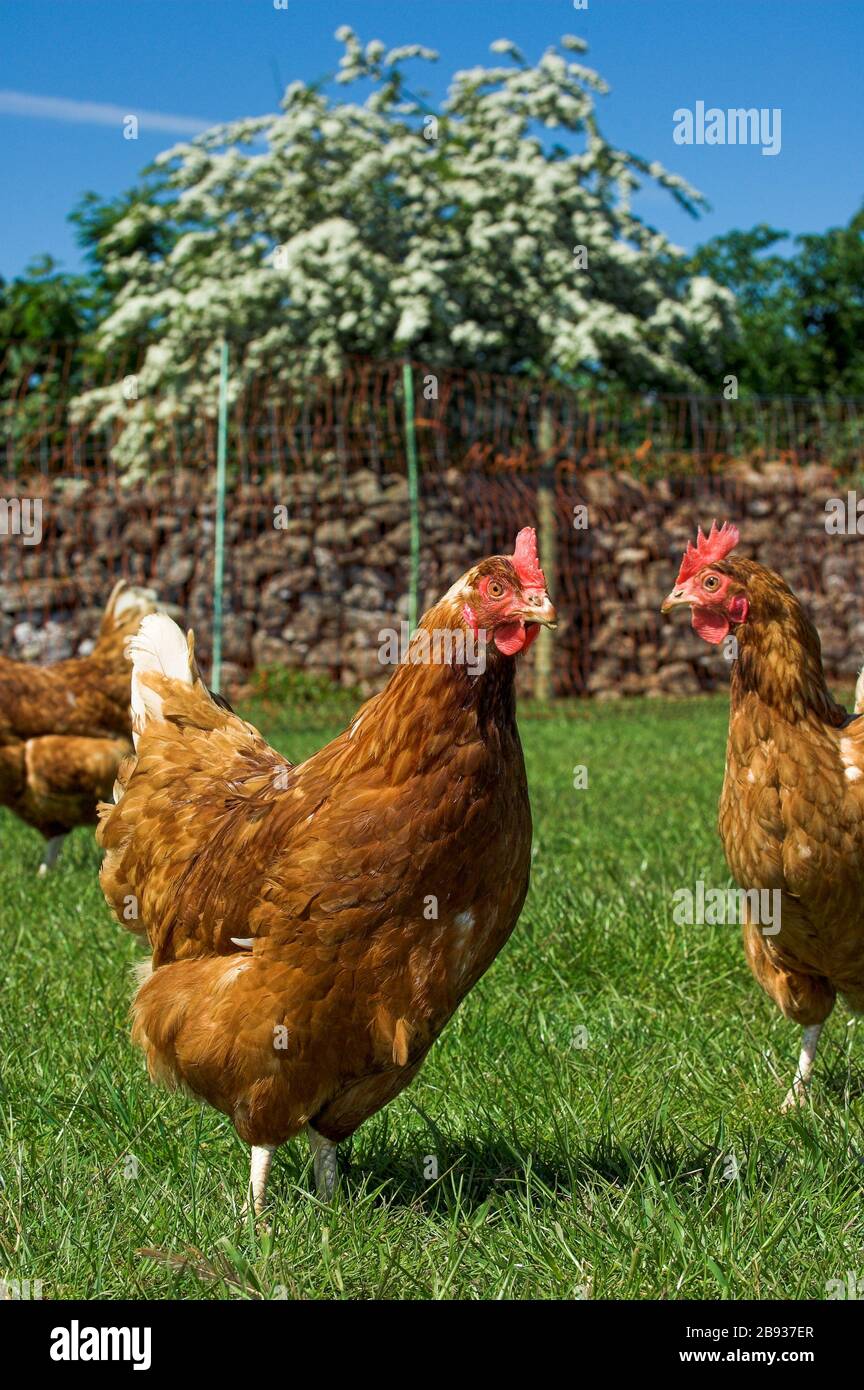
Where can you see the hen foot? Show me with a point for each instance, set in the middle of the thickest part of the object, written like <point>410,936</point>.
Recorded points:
<point>49,854</point>
<point>797,1094</point>
<point>262,1157</point>
<point>323,1163</point>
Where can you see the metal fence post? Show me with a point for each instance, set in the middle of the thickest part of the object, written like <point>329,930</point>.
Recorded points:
<point>546,537</point>
<point>219,555</point>
<point>413,493</point>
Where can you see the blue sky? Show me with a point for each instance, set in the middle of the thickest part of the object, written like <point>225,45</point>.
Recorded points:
<point>214,60</point>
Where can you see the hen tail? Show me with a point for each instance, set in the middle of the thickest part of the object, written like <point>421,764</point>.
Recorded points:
<point>127,599</point>
<point>158,646</point>
<point>197,797</point>
<point>127,604</point>
<point>859,693</point>
<point>166,687</point>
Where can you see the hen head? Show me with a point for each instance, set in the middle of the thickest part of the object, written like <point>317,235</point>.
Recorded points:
<point>778,654</point>
<point>717,591</point>
<point>504,597</point>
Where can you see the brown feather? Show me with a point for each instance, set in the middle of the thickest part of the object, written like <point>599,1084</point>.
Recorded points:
<point>330,867</point>
<point>792,807</point>
<point>65,728</point>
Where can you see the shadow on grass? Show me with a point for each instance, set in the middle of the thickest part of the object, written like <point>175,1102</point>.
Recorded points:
<point>467,1176</point>
<point>473,1173</point>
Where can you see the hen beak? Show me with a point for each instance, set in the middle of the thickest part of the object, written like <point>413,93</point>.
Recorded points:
<point>540,610</point>
<point>679,598</point>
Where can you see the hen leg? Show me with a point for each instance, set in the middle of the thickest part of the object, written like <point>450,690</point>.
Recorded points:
<point>797,1095</point>
<point>50,853</point>
<point>806,999</point>
<point>323,1163</point>
<point>262,1157</point>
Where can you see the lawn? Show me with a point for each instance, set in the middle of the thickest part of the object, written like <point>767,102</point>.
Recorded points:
<point>603,1112</point>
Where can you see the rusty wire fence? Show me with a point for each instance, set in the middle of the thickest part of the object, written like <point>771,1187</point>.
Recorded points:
<point>318,518</point>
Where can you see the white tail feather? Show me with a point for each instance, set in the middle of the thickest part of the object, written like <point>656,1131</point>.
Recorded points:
<point>158,645</point>
<point>134,599</point>
<point>126,598</point>
<point>859,693</point>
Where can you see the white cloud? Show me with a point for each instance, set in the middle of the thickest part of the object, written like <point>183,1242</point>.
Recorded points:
<point>95,113</point>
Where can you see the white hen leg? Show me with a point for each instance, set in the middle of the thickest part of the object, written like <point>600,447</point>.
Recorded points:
<point>262,1157</point>
<point>797,1095</point>
<point>50,853</point>
<point>323,1163</point>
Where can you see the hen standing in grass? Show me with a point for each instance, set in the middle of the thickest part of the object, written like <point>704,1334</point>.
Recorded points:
<point>64,728</point>
<point>792,806</point>
<point>313,928</point>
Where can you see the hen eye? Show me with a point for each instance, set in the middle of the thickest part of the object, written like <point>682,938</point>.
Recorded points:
<point>710,582</point>
<point>494,589</point>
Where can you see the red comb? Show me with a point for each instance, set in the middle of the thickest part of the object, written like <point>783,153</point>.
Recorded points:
<point>708,549</point>
<point>525,560</point>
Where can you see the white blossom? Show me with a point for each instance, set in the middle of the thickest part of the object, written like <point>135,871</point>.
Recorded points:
<point>334,227</point>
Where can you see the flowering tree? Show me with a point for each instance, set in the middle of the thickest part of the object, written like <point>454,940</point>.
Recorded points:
<point>471,236</point>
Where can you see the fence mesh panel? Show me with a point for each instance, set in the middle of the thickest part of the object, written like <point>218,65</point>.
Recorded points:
<point>328,457</point>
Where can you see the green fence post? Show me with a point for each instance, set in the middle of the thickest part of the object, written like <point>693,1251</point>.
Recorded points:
<point>413,493</point>
<point>219,556</point>
<point>547,538</point>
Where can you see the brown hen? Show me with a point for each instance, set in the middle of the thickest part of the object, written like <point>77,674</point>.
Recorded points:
<point>792,806</point>
<point>64,728</point>
<point>313,928</point>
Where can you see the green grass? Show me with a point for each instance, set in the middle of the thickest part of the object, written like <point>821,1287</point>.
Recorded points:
<point>563,1169</point>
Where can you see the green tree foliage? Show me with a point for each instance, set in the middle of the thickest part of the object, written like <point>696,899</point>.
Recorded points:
<point>44,304</point>
<point>802,313</point>
<point>41,312</point>
<point>49,350</point>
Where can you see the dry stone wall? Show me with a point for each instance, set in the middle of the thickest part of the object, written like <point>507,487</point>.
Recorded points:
<point>313,592</point>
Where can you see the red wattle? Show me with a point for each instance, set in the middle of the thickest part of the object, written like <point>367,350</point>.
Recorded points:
<point>710,624</point>
<point>510,637</point>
